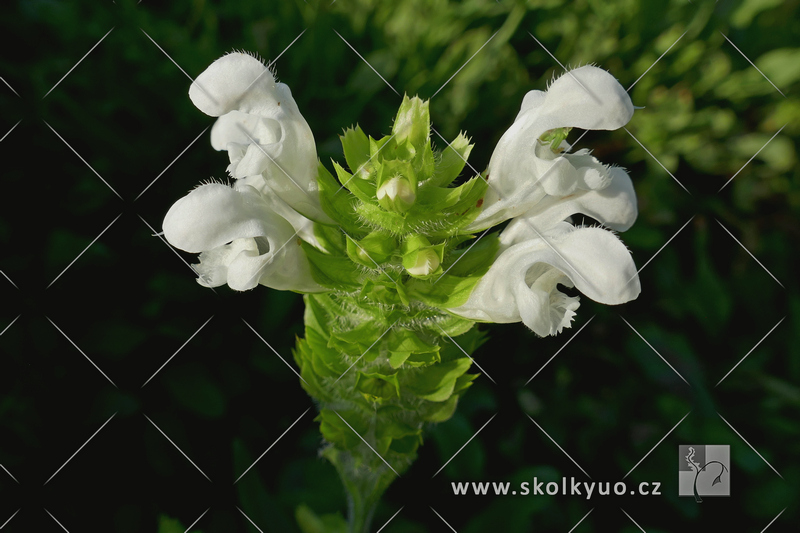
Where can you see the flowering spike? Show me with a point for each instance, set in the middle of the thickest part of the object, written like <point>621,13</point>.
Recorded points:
<point>389,254</point>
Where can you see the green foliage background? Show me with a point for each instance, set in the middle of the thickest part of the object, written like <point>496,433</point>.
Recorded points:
<point>129,303</point>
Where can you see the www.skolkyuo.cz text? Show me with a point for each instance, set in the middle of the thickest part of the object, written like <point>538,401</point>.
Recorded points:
<point>567,487</point>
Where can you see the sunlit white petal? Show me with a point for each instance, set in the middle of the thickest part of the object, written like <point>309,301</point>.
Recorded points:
<point>521,284</point>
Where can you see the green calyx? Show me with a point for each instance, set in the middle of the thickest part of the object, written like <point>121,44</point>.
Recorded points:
<point>382,355</point>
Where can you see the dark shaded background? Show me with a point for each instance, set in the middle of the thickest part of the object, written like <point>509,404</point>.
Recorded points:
<point>128,302</point>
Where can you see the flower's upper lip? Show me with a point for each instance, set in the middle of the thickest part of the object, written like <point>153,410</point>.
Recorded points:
<point>588,98</point>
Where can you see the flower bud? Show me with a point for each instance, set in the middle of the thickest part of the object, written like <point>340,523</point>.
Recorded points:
<point>424,263</point>
<point>412,122</point>
<point>421,259</point>
<point>372,250</point>
<point>396,195</point>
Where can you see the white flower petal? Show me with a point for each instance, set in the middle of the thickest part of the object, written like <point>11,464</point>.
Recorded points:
<point>613,206</point>
<point>262,129</point>
<point>522,170</point>
<point>244,128</point>
<point>233,81</point>
<point>212,271</point>
<point>542,307</point>
<point>521,284</point>
<point>214,214</point>
<point>302,225</point>
<point>243,240</point>
<point>281,266</point>
<point>588,98</point>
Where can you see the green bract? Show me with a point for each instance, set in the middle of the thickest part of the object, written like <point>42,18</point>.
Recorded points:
<point>379,352</point>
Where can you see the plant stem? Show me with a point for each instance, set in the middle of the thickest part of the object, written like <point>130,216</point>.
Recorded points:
<point>361,508</point>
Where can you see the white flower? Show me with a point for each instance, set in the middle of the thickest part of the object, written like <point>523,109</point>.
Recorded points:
<point>540,189</point>
<point>521,284</point>
<point>524,172</point>
<point>242,239</point>
<point>268,141</point>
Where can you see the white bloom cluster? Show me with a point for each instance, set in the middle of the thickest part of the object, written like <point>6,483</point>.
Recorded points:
<point>539,188</point>
<point>248,233</point>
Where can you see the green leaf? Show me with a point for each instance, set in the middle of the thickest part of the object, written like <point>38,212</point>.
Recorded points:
<point>377,385</point>
<point>330,238</point>
<point>425,162</point>
<point>337,202</point>
<point>436,383</point>
<point>451,325</point>
<point>332,271</point>
<point>356,149</point>
<point>443,411</point>
<point>390,429</point>
<point>407,340</point>
<point>392,222</point>
<point>445,292</point>
<point>361,189</point>
<point>467,342</point>
<point>386,292</point>
<point>337,432</point>
<point>380,147</point>
<point>475,259</point>
<point>453,160</point>
<point>361,337</point>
